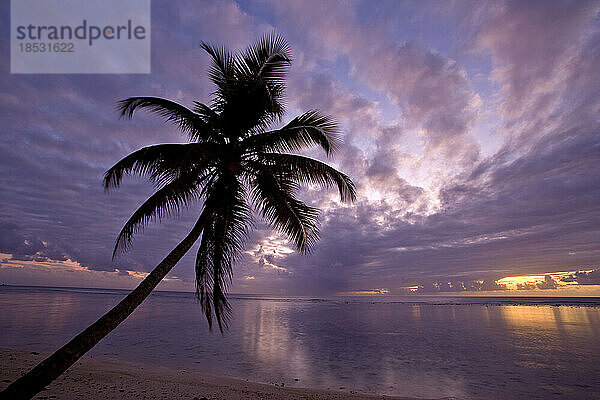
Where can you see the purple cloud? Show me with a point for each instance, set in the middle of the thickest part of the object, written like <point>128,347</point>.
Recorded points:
<point>432,209</point>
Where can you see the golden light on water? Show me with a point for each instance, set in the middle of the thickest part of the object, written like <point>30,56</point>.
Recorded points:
<point>564,320</point>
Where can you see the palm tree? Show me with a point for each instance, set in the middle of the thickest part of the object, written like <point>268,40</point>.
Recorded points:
<point>232,161</point>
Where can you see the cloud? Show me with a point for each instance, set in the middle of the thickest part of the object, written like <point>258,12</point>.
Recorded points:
<point>534,45</point>
<point>526,286</point>
<point>60,133</point>
<point>547,284</point>
<point>513,218</point>
<point>455,286</point>
<point>432,210</point>
<point>584,277</point>
<point>433,94</point>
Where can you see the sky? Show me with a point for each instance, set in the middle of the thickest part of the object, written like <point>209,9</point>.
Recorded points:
<point>471,130</point>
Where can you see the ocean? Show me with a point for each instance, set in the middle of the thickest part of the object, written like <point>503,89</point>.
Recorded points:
<point>414,346</point>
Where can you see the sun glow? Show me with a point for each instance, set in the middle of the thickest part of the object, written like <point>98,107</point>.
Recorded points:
<point>367,292</point>
<point>269,251</point>
<point>550,280</point>
<point>71,273</point>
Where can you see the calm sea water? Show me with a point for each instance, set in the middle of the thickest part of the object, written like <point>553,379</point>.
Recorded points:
<point>465,348</point>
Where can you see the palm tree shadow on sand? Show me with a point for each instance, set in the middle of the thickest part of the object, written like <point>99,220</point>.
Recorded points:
<point>232,162</point>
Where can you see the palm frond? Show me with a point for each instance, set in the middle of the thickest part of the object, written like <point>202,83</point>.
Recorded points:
<point>207,113</point>
<point>267,63</point>
<point>274,198</point>
<point>310,171</point>
<point>308,129</point>
<point>160,159</point>
<point>268,59</point>
<point>213,120</point>
<point>222,70</point>
<point>250,85</point>
<point>188,121</point>
<point>221,244</point>
<point>168,200</point>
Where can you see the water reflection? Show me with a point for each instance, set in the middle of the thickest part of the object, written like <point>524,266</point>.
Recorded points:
<point>50,310</point>
<point>266,336</point>
<point>421,350</point>
<point>416,312</point>
<point>358,348</point>
<point>564,319</point>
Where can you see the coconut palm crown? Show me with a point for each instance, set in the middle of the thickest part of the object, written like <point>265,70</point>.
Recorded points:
<point>234,160</point>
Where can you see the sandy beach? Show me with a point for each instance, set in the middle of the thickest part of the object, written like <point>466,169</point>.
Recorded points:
<point>96,377</point>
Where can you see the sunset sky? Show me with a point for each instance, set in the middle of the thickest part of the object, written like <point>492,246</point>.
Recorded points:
<point>471,129</point>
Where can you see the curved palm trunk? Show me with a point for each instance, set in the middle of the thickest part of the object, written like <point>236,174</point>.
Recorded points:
<point>51,368</point>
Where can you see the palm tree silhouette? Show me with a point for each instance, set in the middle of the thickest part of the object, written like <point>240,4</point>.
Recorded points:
<point>231,162</point>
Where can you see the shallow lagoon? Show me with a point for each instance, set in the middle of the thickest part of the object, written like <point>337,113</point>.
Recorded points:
<point>467,348</point>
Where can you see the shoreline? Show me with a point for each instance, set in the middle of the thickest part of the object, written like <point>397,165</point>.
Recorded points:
<point>112,378</point>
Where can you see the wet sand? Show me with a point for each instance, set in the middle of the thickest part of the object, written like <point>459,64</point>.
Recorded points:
<point>96,377</point>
